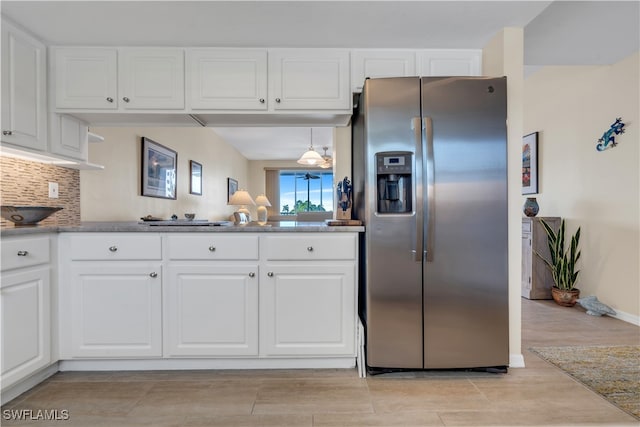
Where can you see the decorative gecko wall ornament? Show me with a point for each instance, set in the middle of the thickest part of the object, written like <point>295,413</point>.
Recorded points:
<point>610,135</point>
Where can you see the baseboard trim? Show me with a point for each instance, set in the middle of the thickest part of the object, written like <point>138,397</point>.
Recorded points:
<point>28,383</point>
<point>176,364</point>
<point>627,317</point>
<point>516,361</point>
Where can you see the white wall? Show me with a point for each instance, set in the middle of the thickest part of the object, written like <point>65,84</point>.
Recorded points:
<point>571,107</point>
<point>503,56</point>
<point>113,194</point>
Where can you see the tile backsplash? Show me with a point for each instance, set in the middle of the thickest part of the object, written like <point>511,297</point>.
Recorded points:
<point>26,183</point>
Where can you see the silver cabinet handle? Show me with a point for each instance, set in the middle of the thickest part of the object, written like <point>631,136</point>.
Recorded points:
<point>212,248</point>
<point>7,132</point>
<point>125,99</point>
<point>252,274</point>
<point>310,248</point>
<point>270,274</point>
<point>109,99</point>
<point>278,100</point>
<point>23,253</point>
<point>153,274</point>
<point>261,100</point>
<point>113,248</point>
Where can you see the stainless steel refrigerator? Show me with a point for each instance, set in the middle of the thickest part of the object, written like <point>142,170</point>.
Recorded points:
<point>430,185</point>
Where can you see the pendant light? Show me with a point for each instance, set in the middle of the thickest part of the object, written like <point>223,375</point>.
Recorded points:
<point>311,157</point>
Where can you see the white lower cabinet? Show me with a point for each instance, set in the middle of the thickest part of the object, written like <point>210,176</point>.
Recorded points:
<point>211,310</point>
<point>261,299</point>
<point>26,323</point>
<point>25,312</point>
<point>308,309</point>
<point>116,309</point>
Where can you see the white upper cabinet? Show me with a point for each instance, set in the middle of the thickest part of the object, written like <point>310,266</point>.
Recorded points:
<point>227,79</point>
<point>85,77</point>
<point>112,79</point>
<point>380,63</point>
<point>151,78</point>
<point>23,89</point>
<point>68,136</point>
<point>450,62</point>
<point>309,79</point>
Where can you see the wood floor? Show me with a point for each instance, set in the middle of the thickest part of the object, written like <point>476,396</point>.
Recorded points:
<point>538,395</point>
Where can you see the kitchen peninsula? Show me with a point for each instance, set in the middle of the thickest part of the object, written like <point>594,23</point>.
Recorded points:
<point>125,295</point>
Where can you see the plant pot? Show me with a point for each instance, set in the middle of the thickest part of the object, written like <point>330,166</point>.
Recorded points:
<point>565,298</point>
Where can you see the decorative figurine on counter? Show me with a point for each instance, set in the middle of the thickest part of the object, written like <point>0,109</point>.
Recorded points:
<point>345,194</point>
<point>610,135</point>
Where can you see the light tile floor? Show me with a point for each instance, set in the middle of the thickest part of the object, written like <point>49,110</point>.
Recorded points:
<point>538,395</point>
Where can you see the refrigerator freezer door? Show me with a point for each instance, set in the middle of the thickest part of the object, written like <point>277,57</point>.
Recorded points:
<point>466,272</point>
<point>393,295</point>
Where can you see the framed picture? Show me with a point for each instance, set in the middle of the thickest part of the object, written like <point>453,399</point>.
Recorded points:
<point>232,187</point>
<point>195,186</point>
<point>530,163</point>
<point>159,170</point>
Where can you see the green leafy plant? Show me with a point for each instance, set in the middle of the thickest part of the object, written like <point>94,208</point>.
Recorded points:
<point>563,261</point>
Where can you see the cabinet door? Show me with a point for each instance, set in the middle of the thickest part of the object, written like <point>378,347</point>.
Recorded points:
<point>68,136</point>
<point>85,78</point>
<point>227,79</point>
<point>212,310</point>
<point>23,89</point>
<point>455,62</point>
<point>151,79</point>
<point>309,79</point>
<point>26,323</point>
<point>308,309</point>
<point>380,63</point>
<point>116,309</point>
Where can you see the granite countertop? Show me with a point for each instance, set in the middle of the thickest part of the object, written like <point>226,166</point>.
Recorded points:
<point>124,226</point>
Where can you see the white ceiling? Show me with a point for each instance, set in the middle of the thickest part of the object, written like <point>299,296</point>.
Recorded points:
<point>555,33</point>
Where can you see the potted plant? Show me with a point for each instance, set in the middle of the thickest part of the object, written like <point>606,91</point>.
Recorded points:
<point>563,264</point>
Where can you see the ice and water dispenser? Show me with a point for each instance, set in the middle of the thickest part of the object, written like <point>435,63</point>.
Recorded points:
<point>393,175</point>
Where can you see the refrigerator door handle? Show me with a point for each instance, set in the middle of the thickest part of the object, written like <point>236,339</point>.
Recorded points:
<point>429,172</point>
<point>416,126</point>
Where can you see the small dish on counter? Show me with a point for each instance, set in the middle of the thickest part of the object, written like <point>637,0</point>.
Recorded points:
<point>27,215</point>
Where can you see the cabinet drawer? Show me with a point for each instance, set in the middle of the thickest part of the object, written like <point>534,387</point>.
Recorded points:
<point>310,247</point>
<point>212,246</point>
<point>115,246</point>
<point>526,226</point>
<point>25,252</point>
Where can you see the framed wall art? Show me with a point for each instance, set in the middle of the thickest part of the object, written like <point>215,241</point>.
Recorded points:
<point>159,170</point>
<point>232,187</point>
<point>530,163</point>
<point>195,185</point>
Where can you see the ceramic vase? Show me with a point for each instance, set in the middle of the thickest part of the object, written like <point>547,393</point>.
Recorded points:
<point>531,207</point>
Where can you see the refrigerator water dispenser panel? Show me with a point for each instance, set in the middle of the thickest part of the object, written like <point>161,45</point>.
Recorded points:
<point>393,174</point>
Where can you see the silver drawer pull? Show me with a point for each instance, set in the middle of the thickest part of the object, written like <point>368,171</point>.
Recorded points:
<point>212,248</point>
<point>270,274</point>
<point>23,253</point>
<point>310,248</point>
<point>125,99</point>
<point>113,248</point>
<point>153,274</point>
<point>252,274</point>
<point>109,99</point>
<point>7,132</point>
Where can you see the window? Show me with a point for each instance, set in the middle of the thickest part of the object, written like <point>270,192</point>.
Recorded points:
<point>305,191</point>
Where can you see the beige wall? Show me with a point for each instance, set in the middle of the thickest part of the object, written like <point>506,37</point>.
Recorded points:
<point>503,56</point>
<point>571,107</point>
<point>113,194</point>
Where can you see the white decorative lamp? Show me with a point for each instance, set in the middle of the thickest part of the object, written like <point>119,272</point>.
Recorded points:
<point>262,203</point>
<point>242,198</point>
<point>311,157</point>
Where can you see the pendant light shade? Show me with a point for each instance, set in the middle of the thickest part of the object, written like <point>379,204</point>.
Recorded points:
<point>311,157</point>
